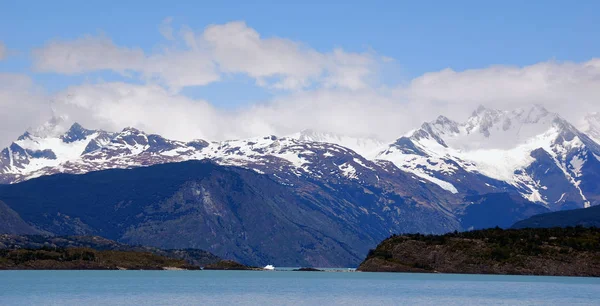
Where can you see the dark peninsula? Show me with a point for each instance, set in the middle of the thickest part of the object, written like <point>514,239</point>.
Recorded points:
<point>572,251</point>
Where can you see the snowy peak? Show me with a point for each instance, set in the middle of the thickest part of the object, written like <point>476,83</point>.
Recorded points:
<point>529,151</point>
<point>490,128</point>
<point>437,130</point>
<point>45,147</point>
<point>519,148</point>
<point>515,125</point>
<point>80,150</point>
<point>76,133</point>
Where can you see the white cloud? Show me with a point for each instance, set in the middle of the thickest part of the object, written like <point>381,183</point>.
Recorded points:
<point>330,91</point>
<point>171,67</point>
<point>240,49</point>
<point>571,89</point>
<point>113,106</point>
<point>86,54</point>
<point>193,61</point>
<point>366,112</point>
<point>23,106</point>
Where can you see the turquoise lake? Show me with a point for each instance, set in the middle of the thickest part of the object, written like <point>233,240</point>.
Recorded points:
<point>288,288</point>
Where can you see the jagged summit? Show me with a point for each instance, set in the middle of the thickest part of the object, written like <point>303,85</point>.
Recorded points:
<point>518,147</point>
<point>131,130</point>
<point>80,150</point>
<point>490,128</point>
<point>530,151</point>
<point>75,133</point>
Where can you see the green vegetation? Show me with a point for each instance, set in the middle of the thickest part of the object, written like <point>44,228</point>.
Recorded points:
<point>539,251</point>
<point>193,257</point>
<point>86,259</point>
<point>228,265</point>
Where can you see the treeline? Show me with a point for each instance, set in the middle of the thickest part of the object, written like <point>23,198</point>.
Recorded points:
<point>49,258</point>
<point>540,251</point>
<point>193,257</point>
<point>578,238</point>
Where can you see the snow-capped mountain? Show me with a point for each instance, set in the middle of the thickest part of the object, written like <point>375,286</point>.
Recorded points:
<point>533,151</point>
<point>324,173</point>
<point>530,151</point>
<point>289,160</point>
<point>79,150</point>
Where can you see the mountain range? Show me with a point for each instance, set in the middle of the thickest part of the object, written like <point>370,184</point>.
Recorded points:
<point>311,198</point>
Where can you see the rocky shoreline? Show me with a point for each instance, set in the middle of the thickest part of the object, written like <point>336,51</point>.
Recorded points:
<point>549,252</point>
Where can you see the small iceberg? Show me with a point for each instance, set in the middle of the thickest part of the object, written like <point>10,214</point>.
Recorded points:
<point>269,268</point>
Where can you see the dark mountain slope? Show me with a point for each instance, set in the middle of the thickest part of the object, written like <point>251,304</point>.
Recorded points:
<point>232,212</point>
<point>11,222</point>
<point>497,209</point>
<point>589,217</point>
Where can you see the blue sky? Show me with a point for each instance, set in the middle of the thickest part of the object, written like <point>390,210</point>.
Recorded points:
<point>246,68</point>
<point>422,36</point>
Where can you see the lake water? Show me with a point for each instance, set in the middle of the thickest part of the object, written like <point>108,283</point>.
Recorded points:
<point>288,288</point>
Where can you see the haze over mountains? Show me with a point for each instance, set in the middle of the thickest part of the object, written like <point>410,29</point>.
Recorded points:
<point>532,151</point>
<point>329,197</point>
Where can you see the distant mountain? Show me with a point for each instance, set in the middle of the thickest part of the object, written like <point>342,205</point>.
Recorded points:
<point>79,150</point>
<point>233,212</point>
<point>528,151</point>
<point>494,169</point>
<point>531,151</point>
<point>588,217</point>
<point>496,209</point>
<point>308,199</point>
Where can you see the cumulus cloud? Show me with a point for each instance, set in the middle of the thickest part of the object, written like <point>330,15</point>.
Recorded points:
<point>86,54</point>
<point>571,89</point>
<point>172,67</point>
<point>328,91</point>
<point>231,48</point>
<point>113,106</point>
<point>23,106</point>
<point>240,49</point>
